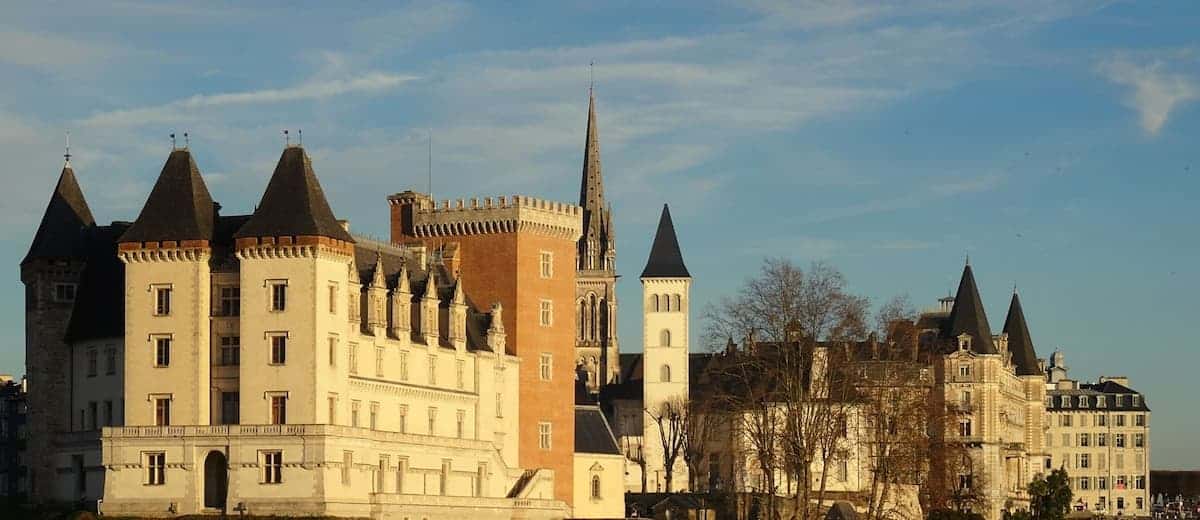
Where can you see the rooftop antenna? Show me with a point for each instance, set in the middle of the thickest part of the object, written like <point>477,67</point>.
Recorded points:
<point>300,134</point>
<point>187,143</point>
<point>173,147</point>
<point>287,139</point>
<point>67,155</point>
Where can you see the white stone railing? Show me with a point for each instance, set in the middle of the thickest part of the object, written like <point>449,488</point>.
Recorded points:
<point>273,430</point>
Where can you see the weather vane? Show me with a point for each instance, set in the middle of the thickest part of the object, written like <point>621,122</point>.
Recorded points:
<point>173,147</point>
<point>287,139</point>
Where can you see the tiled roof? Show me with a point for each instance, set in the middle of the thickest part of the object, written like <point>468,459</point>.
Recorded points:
<point>294,203</point>
<point>592,433</point>
<point>60,234</point>
<point>179,206</point>
<point>968,316</point>
<point>1019,342</point>
<point>666,261</point>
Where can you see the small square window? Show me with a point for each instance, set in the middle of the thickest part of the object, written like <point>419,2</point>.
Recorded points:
<point>278,296</point>
<point>278,349</point>
<point>162,301</point>
<point>162,352</point>
<point>272,467</point>
<point>156,468</point>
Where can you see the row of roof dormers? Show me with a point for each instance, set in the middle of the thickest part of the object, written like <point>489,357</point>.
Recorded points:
<point>180,210</point>
<point>1105,395</point>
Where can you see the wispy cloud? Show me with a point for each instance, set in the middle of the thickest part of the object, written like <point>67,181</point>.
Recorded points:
<point>1155,91</point>
<point>371,82</point>
<point>53,51</point>
<point>931,192</point>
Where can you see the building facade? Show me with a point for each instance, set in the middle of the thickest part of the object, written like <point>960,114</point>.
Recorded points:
<point>1100,434</point>
<point>273,363</point>
<point>14,438</point>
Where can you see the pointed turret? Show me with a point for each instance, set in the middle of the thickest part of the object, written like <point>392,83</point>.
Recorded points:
<point>60,234</point>
<point>968,317</point>
<point>179,207</point>
<point>294,203</point>
<point>666,261</point>
<point>596,241</point>
<point>1019,341</point>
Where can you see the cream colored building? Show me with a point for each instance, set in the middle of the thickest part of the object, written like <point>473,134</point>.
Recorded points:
<point>273,363</point>
<point>1100,434</point>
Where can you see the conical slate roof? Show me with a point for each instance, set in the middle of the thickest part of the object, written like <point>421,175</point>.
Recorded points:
<point>968,316</point>
<point>179,206</point>
<point>1019,341</point>
<point>60,234</point>
<point>666,261</point>
<point>591,189</point>
<point>294,203</point>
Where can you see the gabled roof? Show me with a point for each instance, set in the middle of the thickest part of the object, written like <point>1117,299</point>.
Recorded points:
<point>179,206</point>
<point>294,203</point>
<point>592,433</point>
<point>1019,342</point>
<point>666,261</point>
<point>968,316</point>
<point>60,234</point>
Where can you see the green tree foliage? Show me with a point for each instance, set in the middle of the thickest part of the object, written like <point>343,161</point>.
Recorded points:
<point>1050,496</point>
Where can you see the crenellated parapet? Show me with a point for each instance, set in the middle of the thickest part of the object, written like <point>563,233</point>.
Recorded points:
<point>166,251</point>
<point>488,215</point>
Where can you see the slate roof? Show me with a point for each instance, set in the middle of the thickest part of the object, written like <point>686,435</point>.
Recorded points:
<point>179,206</point>
<point>99,310</point>
<point>666,261</point>
<point>968,316</point>
<point>60,234</point>
<point>294,203</point>
<point>1119,398</point>
<point>592,433</point>
<point>1019,342</point>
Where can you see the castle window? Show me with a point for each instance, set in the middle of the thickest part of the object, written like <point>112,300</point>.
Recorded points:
<point>162,351</point>
<point>354,408</point>
<point>664,338</point>
<point>666,302</point>
<point>156,468</point>
<point>546,314</point>
<point>333,341</point>
<point>162,411</point>
<point>964,427</point>
<point>91,362</point>
<point>1139,440</point>
<point>1083,401</point>
<point>547,264</point>
<point>64,292</point>
<point>231,350</point>
<point>110,361</point>
<point>544,435</point>
<point>230,402</point>
<point>1101,483</point>
<point>231,301</point>
<point>272,467</point>
<point>403,365</point>
<point>1139,482</point>
<point>460,423</point>
<point>432,370</point>
<point>460,374</point>
<point>431,417</point>
<point>279,349</point>
<point>1101,420</point>
<point>333,298</point>
<point>378,361</point>
<point>1085,460</point>
<point>964,371</point>
<point>333,406</point>
<point>595,487</point>
<point>1101,439</point>
<point>677,302</point>
<point>1120,440</point>
<point>353,362</point>
<point>374,417</point>
<point>278,295</point>
<point>1139,419</point>
<point>1085,440</point>
<point>654,298</point>
<point>403,417</point>
<point>1120,419</point>
<point>162,301</point>
<point>665,373</point>
<point>279,408</point>
<point>545,366</point>
<point>499,405</point>
<point>347,465</point>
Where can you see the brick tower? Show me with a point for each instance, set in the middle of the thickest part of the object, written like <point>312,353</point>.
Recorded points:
<point>518,252</point>
<point>51,273</point>
<point>596,347</point>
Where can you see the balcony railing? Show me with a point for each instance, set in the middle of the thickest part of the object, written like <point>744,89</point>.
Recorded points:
<point>275,430</point>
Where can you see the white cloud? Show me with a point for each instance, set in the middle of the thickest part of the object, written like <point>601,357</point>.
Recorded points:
<point>173,111</point>
<point>1155,93</point>
<point>53,51</point>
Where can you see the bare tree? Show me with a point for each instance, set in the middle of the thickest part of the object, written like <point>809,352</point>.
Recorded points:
<point>789,389</point>
<point>636,453</point>
<point>701,424</point>
<point>671,418</point>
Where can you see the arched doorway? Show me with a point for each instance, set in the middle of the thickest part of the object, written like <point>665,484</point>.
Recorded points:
<point>216,475</point>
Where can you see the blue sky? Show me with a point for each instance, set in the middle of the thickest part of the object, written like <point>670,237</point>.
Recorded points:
<point>1054,142</point>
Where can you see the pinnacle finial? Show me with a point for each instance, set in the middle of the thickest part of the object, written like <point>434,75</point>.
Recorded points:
<point>287,139</point>
<point>1014,288</point>
<point>968,255</point>
<point>591,76</point>
<point>67,155</point>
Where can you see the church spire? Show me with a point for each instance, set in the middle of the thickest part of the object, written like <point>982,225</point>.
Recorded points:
<point>595,244</point>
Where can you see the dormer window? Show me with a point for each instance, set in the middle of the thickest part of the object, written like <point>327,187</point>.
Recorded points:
<point>1066,401</point>
<point>1137,400</point>
<point>964,342</point>
<point>1083,401</point>
<point>1101,401</point>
